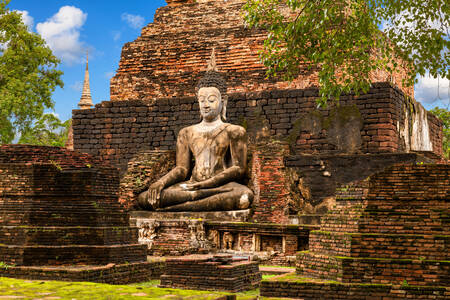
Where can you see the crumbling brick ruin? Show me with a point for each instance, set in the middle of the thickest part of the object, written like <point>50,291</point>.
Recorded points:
<point>387,238</point>
<point>207,272</point>
<point>60,219</point>
<point>168,57</point>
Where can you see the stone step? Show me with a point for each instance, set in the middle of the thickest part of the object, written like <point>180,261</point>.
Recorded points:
<point>300,287</point>
<point>43,218</point>
<point>72,254</point>
<point>58,203</point>
<point>373,270</point>
<point>205,282</point>
<point>398,246</point>
<point>79,235</point>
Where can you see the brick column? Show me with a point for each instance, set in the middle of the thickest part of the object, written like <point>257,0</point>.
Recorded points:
<point>270,183</point>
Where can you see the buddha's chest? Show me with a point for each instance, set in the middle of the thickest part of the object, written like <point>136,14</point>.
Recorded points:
<point>203,145</point>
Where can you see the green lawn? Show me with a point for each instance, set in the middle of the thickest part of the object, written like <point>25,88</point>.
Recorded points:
<point>37,289</point>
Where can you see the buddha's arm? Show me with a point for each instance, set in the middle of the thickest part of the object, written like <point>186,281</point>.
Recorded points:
<point>180,172</point>
<point>177,174</point>
<point>238,149</point>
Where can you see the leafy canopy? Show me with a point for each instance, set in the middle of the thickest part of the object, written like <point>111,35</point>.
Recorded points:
<point>344,37</point>
<point>444,115</point>
<point>28,75</point>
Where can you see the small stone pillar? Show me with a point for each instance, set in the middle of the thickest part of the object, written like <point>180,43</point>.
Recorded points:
<point>272,198</point>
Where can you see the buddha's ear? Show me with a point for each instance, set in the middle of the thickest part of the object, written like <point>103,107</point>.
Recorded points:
<point>224,107</point>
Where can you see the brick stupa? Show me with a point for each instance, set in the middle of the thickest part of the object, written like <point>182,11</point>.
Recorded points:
<point>60,219</point>
<point>168,58</point>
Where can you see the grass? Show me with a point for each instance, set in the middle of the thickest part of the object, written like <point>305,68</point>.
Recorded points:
<point>39,289</point>
<point>30,289</point>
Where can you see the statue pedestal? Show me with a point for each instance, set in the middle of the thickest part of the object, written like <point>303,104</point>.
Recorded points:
<point>179,233</point>
<point>183,233</point>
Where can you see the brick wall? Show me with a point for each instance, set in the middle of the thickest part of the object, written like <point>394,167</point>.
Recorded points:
<point>117,130</point>
<point>171,53</point>
<point>386,229</point>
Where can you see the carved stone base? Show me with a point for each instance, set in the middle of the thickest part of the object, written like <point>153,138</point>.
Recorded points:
<point>172,237</point>
<point>267,243</point>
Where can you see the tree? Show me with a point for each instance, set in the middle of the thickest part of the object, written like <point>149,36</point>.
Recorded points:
<point>28,75</point>
<point>444,115</point>
<point>47,131</point>
<point>343,40</point>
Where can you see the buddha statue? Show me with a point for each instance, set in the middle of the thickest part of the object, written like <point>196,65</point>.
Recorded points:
<point>219,151</point>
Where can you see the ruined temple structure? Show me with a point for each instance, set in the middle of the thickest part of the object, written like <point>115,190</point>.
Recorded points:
<point>60,219</point>
<point>298,154</point>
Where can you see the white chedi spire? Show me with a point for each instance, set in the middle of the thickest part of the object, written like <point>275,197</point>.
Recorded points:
<point>86,99</point>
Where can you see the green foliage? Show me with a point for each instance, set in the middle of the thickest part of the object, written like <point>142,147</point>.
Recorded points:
<point>341,39</point>
<point>47,131</point>
<point>444,115</point>
<point>4,265</point>
<point>28,75</point>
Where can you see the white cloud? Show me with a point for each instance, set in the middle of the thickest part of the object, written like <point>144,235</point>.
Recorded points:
<point>134,21</point>
<point>26,18</point>
<point>77,86</point>
<point>426,90</point>
<point>62,33</point>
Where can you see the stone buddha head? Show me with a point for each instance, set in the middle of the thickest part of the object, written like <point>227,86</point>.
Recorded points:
<point>211,92</point>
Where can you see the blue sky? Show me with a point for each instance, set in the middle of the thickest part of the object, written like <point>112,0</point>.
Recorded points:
<point>70,27</point>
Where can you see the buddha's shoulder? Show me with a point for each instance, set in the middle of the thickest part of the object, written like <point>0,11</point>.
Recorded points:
<point>236,130</point>
<point>186,130</point>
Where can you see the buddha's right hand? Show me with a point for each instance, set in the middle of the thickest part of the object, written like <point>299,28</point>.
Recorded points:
<point>154,194</point>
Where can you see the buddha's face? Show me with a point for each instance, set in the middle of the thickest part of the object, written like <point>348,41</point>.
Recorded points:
<point>210,103</point>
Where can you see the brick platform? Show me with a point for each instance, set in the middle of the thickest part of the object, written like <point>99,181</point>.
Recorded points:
<point>222,273</point>
<point>60,219</point>
<point>388,236</point>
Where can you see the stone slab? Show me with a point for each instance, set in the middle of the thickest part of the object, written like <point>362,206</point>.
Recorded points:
<point>235,215</point>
